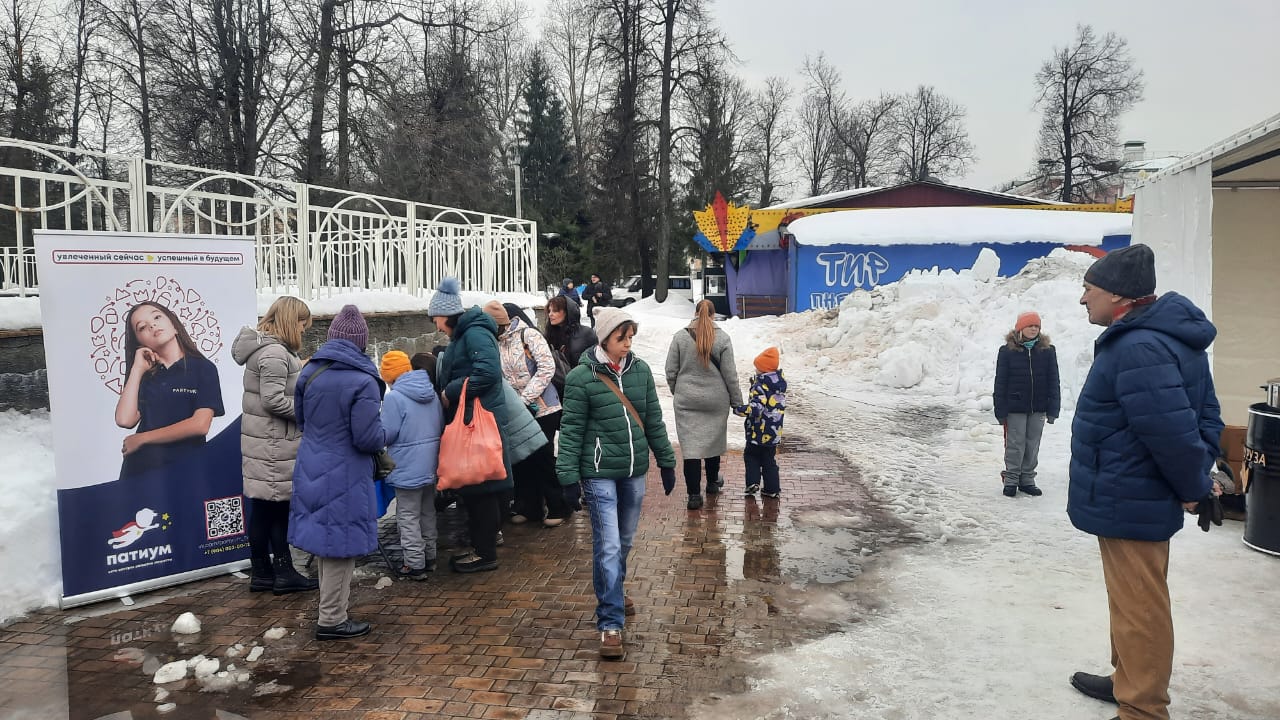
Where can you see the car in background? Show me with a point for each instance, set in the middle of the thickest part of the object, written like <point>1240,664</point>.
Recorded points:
<point>628,291</point>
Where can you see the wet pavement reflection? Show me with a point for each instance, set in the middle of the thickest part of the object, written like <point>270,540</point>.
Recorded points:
<point>713,589</point>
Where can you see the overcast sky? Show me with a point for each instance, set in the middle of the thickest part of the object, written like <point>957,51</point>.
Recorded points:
<point>1212,66</point>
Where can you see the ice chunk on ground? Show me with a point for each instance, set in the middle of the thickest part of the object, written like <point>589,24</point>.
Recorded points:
<point>271,688</point>
<point>275,633</point>
<point>161,695</point>
<point>254,654</point>
<point>383,582</point>
<point>206,667</point>
<point>195,661</point>
<point>234,650</point>
<point>186,624</point>
<point>171,672</point>
<point>166,708</point>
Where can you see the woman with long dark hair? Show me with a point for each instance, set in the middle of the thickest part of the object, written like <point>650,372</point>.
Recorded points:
<point>269,439</point>
<point>704,385</point>
<point>565,330</point>
<point>171,392</point>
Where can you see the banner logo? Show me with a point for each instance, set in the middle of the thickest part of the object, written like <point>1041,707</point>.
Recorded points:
<point>132,532</point>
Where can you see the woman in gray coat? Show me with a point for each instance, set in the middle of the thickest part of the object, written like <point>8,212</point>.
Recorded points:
<point>704,384</point>
<point>269,439</point>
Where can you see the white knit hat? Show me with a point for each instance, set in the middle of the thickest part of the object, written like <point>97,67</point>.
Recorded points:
<point>607,320</point>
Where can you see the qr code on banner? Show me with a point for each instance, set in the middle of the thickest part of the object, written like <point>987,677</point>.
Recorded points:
<point>224,517</point>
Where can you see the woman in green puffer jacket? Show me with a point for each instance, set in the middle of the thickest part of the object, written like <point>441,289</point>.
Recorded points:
<point>604,450</point>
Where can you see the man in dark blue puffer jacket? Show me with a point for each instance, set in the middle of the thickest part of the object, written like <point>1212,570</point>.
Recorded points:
<point>1143,440</point>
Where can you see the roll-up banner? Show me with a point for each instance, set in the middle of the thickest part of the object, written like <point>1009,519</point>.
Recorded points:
<point>145,402</point>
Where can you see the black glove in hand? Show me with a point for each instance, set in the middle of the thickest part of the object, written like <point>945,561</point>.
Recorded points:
<point>1209,510</point>
<point>668,479</point>
<point>572,495</point>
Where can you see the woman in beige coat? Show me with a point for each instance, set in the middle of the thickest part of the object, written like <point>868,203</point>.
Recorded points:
<point>704,385</point>
<point>269,439</point>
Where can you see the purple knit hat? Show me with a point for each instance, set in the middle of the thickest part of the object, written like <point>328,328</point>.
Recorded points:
<point>349,324</point>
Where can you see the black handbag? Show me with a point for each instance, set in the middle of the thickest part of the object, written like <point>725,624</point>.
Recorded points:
<point>383,465</point>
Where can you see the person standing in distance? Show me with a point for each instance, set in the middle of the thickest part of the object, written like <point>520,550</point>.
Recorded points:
<point>597,295</point>
<point>1143,440</point>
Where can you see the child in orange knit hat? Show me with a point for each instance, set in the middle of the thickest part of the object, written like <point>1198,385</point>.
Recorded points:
<point>413,420</point>
<point>764,410</point>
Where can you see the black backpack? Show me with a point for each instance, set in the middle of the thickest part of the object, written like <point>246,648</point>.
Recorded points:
<point>562,365</point>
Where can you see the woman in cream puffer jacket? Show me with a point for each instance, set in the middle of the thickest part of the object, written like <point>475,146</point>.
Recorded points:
<point>269,439</point>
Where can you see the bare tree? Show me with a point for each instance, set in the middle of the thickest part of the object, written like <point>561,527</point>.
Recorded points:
<point>1083,90</point>
<point>86,24</point>
<point>571,43</point>
<point>864,133</point>
<point>932,140</point>
<point>769,129</point>
<point>687,38</point>
<point>815,144</point>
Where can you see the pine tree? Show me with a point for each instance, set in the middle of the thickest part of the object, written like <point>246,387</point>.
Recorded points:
<point>551,189</point>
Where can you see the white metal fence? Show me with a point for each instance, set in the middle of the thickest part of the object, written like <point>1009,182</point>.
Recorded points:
<point>311,240</point>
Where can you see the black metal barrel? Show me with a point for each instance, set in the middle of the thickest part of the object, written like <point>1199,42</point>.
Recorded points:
<point>1262,458</point>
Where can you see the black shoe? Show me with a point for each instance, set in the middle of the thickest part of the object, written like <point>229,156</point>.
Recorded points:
<point>472,563</point>
<point>695,502</point>
<point>1010,490</point>
<point>347,630</point>
<point>408,573</point>
<point>713,486</point>
<point>1031,490</point>
<point>289,580</point>
<point>263,578</point>
<point>1098,687</point>
<point>752,489</point>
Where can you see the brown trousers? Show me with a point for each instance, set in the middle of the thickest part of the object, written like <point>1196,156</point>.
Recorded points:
<point>1137,577</point>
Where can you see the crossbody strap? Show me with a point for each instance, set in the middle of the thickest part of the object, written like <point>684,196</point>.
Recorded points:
<point>316,374</point>
<point>630,408</point>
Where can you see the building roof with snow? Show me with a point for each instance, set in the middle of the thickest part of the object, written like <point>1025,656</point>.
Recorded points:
<point>958,226</point>
<point>919,193</point>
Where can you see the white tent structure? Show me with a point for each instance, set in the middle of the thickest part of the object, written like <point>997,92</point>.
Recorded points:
<point>1213,220</point>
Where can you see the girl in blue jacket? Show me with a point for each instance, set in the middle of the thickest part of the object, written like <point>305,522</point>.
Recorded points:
<point>1026,396</point>
<point>413,420</point>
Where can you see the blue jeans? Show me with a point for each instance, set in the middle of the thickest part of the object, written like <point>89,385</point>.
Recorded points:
<point>615,513</point>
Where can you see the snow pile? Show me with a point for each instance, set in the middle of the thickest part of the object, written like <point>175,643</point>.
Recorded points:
<point>29,561</point>
<point>937,332</point>
<point>275,633</point>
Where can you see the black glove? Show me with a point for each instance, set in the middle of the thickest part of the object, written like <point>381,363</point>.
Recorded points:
<point>668,479</point>
<point>1209,510</point>
<point>573,495</point>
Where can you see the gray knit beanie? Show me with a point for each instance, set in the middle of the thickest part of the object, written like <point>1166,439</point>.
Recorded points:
<point>447,300</point>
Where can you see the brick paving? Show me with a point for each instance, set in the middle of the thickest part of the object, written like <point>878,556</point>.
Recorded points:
<point>516,643</point>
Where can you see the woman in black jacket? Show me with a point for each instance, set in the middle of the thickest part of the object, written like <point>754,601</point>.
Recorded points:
<point>565,330</point>
<point>1026,396</point>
